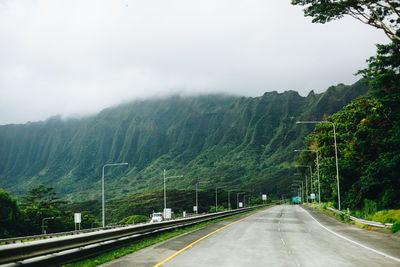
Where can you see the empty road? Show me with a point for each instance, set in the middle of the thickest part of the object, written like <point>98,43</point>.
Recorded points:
<point>279,236</point>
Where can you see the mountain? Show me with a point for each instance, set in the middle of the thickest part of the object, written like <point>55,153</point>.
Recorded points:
<point>240,142</point>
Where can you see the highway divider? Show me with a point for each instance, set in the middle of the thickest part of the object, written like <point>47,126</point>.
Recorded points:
<point>65,249</point>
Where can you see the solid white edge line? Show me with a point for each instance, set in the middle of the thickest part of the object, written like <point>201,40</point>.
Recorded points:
<point>354,242</point>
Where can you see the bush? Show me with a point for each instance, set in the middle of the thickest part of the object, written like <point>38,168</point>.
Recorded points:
<point>395,227</point>
<point>387,216</point>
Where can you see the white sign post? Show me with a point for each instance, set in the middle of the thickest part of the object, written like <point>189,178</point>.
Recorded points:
<point>313,196</point>
<point>77,219</point>
<point>264,197</point>
<point>167,214</point>
<point>194,208</point>
<point>240,204</point>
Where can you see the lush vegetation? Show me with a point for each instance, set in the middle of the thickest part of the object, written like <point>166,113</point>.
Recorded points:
<point>40,209</point>
<point>25,217</point>
<point>243,143</point>
<point>368,129</point>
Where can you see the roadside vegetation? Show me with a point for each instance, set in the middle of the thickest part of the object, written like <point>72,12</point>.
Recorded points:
<point>384,216</point>
<point>367,129</point>
<point>27,216</point>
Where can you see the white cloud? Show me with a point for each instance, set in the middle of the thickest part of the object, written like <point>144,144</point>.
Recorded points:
<point>77,57</point>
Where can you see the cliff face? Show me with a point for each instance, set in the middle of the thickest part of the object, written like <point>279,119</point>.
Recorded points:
<point>240,141</point>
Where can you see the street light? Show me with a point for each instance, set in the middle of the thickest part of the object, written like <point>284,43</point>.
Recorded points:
<point>302,187</point>
<point>244,200</point>
<point>197,203</point>
<point>216,196</point>
<point>102,189</point>
<point>336,157</point>
<point>319,187</point>
<point>306,177</point>
<point>47,218</point>
<point>165,191</point>
<point>298,189</point>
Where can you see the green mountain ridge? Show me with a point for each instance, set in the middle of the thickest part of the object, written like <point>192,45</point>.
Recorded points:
<point>241,142</point>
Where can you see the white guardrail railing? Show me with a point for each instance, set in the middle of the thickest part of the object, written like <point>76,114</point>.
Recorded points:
<point>60,250</point>
<point>371,223</point>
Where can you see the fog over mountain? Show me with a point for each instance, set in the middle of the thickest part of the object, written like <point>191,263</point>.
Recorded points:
<point>78,57</point>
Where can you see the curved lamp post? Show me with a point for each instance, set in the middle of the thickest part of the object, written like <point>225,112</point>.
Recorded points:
<point>315,151</point>
<point>336,157</point>
<point>306,166</point>
<point>47,218</point>
<point>165,190</point>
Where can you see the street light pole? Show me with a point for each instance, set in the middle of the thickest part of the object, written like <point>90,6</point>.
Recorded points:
<point>336,156</point>
<point>302,188</point>
<point>216,196</point>
<point>319,187</point>
<point>229,200</point>
<point>102,190</point>
<point>165,190</point>
<point>197,203</point>
<point>306,178</point>
<point>47,218</point>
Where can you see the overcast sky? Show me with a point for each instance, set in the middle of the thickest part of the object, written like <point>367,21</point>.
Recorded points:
<point>77,57</point>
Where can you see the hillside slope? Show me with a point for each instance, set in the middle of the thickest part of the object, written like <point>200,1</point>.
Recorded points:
<point>241,142</point>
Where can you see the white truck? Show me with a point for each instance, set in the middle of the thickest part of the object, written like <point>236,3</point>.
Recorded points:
<point>156,217</point>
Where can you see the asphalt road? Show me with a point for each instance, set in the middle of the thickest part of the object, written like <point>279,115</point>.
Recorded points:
<point>279,236</point>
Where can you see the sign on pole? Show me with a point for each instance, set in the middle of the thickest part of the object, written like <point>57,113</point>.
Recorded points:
<point>240,204</point>
<point>77,217</point>
<point>167,214</point>
<point>194,208</point>
<point>264,197</point>
<point>313,196</point>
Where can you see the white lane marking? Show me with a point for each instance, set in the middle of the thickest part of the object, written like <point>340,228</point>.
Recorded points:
<point>283,242</point>
<point>354,242</point>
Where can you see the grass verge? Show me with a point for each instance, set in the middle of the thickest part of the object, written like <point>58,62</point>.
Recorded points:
<point>120,252</point>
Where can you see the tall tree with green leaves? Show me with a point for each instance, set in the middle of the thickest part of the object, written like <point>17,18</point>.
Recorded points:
<point>12,219</point>
<point>381,14</point>
<point>42,202</point>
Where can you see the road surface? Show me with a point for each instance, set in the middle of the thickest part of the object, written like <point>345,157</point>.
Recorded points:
<point>279,236</point>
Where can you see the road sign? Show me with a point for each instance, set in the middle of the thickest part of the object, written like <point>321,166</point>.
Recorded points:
<point>240,204</point>
<point>194,208</point>
<point>167,214</point>
<point>312,196</point>
<point>264,197</point>
<point>77,217</point>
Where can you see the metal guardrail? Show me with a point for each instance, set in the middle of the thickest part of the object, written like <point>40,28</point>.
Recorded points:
<point>370,223</point>
<point>52,235</point>
<point>66,249</point>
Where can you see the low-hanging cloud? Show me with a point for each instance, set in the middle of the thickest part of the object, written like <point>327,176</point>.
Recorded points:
<point>77,57</point>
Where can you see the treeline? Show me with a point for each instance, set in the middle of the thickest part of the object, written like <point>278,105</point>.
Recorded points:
<point>40,209</point>
<point>368,141</point>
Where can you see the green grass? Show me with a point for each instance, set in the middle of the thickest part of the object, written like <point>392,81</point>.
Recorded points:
<point>115,254</point>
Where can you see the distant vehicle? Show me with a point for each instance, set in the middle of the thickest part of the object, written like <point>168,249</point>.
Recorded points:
<point>156,217</point>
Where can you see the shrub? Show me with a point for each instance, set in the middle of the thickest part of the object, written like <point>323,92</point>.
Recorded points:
<point>387,216</point>
<point>395,227</point>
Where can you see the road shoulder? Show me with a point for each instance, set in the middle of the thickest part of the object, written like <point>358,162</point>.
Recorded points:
<point>381,241</point>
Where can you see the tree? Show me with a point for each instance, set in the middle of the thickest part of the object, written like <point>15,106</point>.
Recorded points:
<point>11,217</point>
<point>381,14</point>
<point>41,202</point>
<point>383,70</point>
